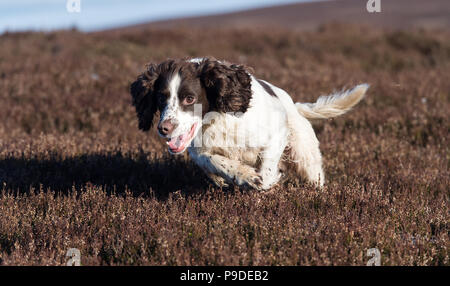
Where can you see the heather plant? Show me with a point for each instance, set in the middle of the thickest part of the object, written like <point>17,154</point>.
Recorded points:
<point>77,173</point>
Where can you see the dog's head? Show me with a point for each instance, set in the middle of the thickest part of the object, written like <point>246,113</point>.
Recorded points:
<point>183,91</point>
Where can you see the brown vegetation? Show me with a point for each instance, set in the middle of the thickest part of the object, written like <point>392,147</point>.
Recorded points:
<point>77,172</point>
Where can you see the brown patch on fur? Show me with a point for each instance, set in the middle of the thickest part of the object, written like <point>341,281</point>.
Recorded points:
<point>228,86</point>
<point>266,87</point>
<point>142,95</point>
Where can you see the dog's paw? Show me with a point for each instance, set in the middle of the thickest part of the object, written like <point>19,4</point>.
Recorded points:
<point>218,180</point>
<point>247,176</point>
<point>270,179</point>
<point>256,182</point>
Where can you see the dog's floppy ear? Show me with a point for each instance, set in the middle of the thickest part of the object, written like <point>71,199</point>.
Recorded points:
<point>228,87</point>
<point>143,98</point>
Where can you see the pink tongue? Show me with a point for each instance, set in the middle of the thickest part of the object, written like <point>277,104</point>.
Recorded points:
<point>176,142</point>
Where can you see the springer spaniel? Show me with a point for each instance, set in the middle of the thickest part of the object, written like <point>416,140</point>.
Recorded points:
<point>237,128</point>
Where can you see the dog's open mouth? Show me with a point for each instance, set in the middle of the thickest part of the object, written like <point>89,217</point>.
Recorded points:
<point>179,143</point>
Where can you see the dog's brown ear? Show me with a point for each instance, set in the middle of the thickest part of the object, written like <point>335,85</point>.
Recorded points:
<point>228,87</point>
<point>143,98</point>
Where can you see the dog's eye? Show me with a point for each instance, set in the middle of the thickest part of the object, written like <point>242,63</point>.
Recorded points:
<point>189,99</point>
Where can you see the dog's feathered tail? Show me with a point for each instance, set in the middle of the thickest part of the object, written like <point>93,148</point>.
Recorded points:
<point>332,105</point>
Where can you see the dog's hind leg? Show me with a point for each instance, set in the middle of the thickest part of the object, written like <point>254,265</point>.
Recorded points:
<point>303,145</point>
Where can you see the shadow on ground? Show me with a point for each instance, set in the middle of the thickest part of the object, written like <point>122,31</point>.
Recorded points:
<point>114,172</point>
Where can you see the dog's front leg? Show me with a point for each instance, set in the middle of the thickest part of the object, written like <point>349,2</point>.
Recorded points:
<point>231,170</point>
<point>270,158</point>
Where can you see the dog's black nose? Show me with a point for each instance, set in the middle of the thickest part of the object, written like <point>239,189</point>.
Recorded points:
<point>165,127</point>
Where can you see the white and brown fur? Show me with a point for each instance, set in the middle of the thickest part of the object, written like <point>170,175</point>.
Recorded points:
<point>265,127</point>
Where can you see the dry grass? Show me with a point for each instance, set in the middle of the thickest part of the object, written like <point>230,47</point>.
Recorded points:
<point>76,172</point>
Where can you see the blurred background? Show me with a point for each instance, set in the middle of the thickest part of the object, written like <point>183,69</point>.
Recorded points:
<point>94,15</point>
<point>90,15</point>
